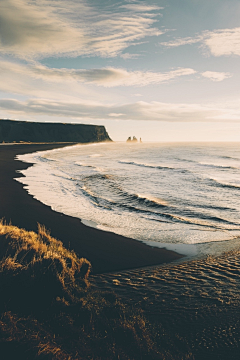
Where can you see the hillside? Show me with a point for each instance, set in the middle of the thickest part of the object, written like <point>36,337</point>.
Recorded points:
<point>48,310</point>
<point>26,131</point>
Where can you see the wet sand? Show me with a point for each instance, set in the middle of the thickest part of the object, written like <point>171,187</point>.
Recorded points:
<point>194,306</point>
<point>105,250</point>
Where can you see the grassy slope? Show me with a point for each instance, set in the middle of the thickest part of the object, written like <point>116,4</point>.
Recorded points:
<point>48,310</point>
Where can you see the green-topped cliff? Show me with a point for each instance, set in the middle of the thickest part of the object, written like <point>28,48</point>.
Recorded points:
<point>26,131</point>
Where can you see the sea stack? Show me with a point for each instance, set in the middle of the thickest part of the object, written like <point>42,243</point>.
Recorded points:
<point>134,139</point>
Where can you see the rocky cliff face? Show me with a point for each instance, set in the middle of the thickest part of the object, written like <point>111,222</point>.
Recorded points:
<point>24,131</point>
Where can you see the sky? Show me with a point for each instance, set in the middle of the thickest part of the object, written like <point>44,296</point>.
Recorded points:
<point>162,70</point>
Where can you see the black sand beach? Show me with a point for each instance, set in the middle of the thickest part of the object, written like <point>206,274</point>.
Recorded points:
<point>106,251</point>
<point>192,308</point>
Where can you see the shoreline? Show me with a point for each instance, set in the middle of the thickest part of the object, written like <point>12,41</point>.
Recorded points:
<point>107,251</point>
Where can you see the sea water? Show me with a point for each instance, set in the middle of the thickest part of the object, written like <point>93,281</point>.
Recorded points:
<point>185,197</point>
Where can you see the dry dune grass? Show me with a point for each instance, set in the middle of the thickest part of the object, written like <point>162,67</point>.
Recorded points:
<point>48,310</point>
<point>36,267</point>
<point>23,245</point>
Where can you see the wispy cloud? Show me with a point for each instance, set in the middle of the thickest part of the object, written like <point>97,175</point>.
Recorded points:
<point>107,77</point>
<point>71,27</point>
<point>141,7</point>
<point>182,41</point>
<point>216,76</point>
<point>29,30</point>
<point>127,56</point>
<point>136,111</point>
<point>222,42</point>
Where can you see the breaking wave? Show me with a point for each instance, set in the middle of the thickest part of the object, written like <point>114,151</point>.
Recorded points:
<point>217,183</point>
<point>178,194</point>
<point>147,165</point>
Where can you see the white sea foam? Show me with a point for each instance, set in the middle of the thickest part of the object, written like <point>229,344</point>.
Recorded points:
<point>153,196</point>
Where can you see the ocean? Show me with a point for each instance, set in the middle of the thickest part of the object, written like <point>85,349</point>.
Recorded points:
<point>182,196</point>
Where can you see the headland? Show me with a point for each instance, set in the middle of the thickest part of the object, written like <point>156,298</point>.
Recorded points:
<point>27,131</point>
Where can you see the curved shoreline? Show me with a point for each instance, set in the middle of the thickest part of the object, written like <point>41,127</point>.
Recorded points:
<point>105,250</point>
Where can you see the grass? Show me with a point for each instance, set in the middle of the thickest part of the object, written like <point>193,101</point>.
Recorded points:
<point>37,269</point>
<point>48,310</point>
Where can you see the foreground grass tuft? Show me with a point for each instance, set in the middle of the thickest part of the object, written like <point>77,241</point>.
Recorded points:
<point>37,269</point>
<point>48,310</point>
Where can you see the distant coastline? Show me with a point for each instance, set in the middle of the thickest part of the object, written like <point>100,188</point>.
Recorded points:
<point>36,132</point>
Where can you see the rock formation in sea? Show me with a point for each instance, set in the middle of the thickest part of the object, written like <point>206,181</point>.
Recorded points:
<point>26,131</point>
<point>134,139</point>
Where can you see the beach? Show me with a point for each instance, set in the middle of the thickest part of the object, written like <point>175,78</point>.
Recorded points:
<point>119,180</point>
<point>191,306</point>
<point>194,306</point>
<point>106,251</point>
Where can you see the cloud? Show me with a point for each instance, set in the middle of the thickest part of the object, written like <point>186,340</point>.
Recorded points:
<point>110,77</point>
<point>127,56</point>
<point>18,78</point>
<point>141,7</point>
<point>107,77</point>
<point>216,76</point>
<point>182,41</point>
<point>222,42</point>
<point>29,30</point>
<point>136,111</point>
<point>49,28</point>
<point>115,114</point>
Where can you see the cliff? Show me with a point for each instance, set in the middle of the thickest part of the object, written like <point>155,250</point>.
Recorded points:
<point>26,131</point>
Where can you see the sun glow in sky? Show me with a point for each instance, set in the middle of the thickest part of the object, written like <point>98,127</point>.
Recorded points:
<point>157,69</point>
